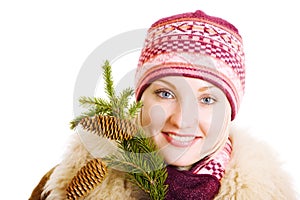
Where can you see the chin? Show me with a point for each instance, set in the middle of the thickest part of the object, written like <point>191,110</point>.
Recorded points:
<point>179,162</point>
<point>176,157</point>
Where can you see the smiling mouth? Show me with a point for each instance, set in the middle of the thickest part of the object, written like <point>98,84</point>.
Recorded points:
<point>180,140</point>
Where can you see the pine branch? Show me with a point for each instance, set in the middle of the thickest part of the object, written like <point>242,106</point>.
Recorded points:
<point>113,119</point>
<point>145,167</point>
<point>93,101</point>
<point>124,96</point>
<point>97,106</point>
<point>108,80</point>
<point>123,101</point>
<point>134,109</point>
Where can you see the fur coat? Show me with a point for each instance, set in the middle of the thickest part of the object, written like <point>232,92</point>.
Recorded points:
<point>254,172</point>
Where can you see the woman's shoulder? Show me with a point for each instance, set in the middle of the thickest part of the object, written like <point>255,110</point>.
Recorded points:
<point>255,171</point>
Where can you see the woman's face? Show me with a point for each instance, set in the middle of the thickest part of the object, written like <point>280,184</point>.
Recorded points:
<point>186,117</point>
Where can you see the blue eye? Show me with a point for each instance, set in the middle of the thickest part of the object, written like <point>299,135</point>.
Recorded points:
<point>207,100</point>
<point>165,94</point>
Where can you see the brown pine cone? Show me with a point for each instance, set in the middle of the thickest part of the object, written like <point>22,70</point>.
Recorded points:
<point>86,179</point>
<point>110,127</point>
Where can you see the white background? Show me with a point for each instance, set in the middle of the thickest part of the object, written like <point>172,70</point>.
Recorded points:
<point>43,45</point>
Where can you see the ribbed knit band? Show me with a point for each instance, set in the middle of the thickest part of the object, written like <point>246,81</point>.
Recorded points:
<point>194,45</point>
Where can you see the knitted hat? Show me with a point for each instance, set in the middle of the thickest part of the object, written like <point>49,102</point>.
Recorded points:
<point>194,45</point>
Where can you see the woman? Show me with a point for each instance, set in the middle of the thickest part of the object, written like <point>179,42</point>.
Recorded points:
<point>191,80</point>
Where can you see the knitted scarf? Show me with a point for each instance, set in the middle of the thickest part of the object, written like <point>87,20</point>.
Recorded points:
<point>202,181</point>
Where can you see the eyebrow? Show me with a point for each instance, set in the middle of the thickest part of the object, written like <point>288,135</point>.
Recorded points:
<point>167,83</point>
<point>202,89</point>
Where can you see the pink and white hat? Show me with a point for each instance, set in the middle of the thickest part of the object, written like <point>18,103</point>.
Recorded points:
<point>194,45</point>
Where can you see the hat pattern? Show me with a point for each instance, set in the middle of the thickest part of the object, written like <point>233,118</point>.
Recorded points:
<point>194,45</point>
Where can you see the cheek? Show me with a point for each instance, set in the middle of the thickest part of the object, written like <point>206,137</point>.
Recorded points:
<point>215,118</point>
<point>205,120</point>
<point>216,127</point>
<point>153,118</point>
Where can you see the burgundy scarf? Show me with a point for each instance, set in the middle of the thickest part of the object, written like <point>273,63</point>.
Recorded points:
<point>201,182</point>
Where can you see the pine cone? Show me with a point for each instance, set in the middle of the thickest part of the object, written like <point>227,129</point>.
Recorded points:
<point>86,179</point>
<point>110,127</point>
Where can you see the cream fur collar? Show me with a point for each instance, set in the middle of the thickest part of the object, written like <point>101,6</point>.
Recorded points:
<point>254,172</point>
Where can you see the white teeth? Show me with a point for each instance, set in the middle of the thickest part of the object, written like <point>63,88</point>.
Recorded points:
<point>182,138</point>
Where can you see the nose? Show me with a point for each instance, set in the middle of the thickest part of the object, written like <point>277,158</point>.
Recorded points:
<point>185,115</point>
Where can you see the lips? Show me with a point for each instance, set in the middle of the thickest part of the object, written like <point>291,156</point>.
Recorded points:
<point>180,140</point>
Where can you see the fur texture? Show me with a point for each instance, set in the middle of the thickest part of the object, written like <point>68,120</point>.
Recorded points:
<point>254,172</point>
<point>114,186</point>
